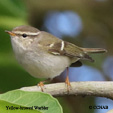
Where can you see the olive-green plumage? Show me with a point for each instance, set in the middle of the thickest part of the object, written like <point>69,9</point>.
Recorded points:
<point>70,50</point>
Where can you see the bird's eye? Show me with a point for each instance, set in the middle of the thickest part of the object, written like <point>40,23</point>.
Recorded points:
<point>24,35</point>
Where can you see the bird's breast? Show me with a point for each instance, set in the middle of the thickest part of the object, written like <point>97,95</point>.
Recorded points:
<point>45,66</point>
<point>40,64</point>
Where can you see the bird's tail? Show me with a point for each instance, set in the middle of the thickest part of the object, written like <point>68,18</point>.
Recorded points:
<point>94,50</point>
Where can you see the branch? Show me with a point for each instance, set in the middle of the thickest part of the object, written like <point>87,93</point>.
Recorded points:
<point>100,89</point>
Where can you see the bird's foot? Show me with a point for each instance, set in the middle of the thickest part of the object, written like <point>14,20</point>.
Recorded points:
<point>41,85</point>
<point>67,82</point>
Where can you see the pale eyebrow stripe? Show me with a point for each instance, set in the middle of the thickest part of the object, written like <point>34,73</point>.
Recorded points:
<point>28,33</point>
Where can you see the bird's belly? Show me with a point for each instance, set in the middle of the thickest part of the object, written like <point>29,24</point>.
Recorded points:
<point>44,66</point>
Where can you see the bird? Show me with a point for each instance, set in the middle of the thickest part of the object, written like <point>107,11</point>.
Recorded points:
<point>44,55</point>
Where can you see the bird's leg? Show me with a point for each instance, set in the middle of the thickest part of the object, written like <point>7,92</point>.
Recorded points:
<point>67,82</point>
<point>41,84</point>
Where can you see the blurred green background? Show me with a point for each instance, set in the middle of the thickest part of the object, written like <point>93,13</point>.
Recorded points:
<point>87,23</point>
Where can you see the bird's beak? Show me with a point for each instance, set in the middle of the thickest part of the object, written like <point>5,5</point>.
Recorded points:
<point>10,33</point>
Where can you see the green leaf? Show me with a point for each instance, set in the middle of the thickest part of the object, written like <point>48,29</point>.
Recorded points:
<point>44,101</point>
<point>6,107</point>
<point>15,8</point>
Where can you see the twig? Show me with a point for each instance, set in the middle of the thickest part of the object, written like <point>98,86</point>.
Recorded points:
<point>100,89</point>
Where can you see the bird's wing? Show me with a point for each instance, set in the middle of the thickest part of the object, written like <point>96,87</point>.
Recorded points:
<point>59,47</point>
<point>68,49</point>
